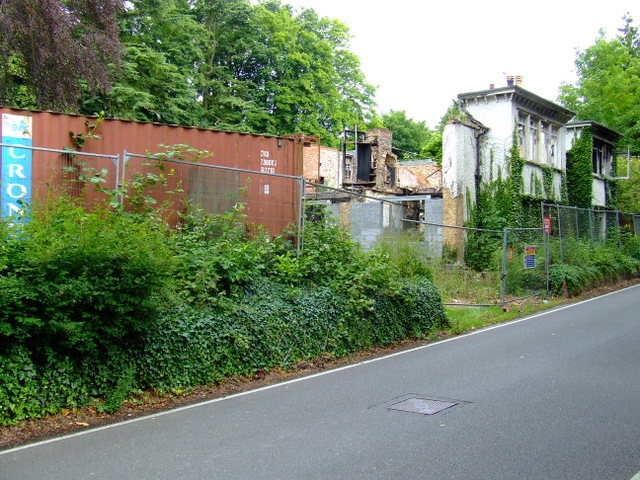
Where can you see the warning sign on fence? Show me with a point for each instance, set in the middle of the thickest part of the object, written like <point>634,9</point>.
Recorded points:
<point>530,256</point>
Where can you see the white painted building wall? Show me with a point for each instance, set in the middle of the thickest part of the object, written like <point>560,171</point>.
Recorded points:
<point>540,130</point>
<point>458,159</point>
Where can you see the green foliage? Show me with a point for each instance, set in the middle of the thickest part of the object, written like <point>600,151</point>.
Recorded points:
<point>215,257</point>
<point>409,136</point>
<point>493,211</point>
<point>579,171</point>
<point>587,265</point>
<point>256,67</point>
<point>77,281</point>
<point>628,191</point>
<point>406,253</point>
<point>56,48</point>
<point>433,148</point>
<point>608,86</point>
<point>274,325</point>
<point>548,173</point>
<point>96,305</point>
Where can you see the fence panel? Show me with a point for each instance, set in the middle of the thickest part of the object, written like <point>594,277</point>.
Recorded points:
<point>525,263</point>
<point>571,224</point>
<point>369,219</point>
<point>35,174</point>
<point>271,201</point>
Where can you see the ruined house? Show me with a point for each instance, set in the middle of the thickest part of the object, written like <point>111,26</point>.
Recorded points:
<point>477,144</point>
<point>377,192</point>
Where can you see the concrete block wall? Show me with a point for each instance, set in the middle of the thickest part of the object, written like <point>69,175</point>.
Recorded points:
<point>433,235</point>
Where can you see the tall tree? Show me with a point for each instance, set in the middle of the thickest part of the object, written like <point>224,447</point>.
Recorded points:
<point>409,136</point>
<point>163,44</point>
<point>608,85</point>
<point>55,48</point>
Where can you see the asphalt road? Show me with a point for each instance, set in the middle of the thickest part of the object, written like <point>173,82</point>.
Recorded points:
<point>553,396</point>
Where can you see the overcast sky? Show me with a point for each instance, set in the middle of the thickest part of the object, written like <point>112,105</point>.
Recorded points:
<point>422,54</point>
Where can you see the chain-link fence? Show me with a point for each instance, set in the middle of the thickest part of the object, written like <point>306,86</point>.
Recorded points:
<point>370,218</point>
<point>525,263</point>
<point>511,263</point>
<point>567,225</point>
<point>272,201</point>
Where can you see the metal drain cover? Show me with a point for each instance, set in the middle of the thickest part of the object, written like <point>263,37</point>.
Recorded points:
<point>425,406</point>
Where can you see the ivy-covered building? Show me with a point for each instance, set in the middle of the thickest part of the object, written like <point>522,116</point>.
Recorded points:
<point>603,152</point>
<point>509,134</point>
<point>477,145</point>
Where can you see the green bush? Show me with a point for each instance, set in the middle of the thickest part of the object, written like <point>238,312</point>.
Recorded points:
<point>274,325</point>
<point>95,305</point>
<point>407,255</point>
<point>594,264</point>
<point>76,281</point>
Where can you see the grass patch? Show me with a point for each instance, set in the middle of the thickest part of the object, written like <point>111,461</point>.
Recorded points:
<point>465,319</point>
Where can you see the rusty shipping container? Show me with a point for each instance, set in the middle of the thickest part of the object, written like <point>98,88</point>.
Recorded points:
<point>257,169</point>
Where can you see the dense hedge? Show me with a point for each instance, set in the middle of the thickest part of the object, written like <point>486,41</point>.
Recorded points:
<point>275,326</point>
<point>589,265</point>
<point>96,305</point>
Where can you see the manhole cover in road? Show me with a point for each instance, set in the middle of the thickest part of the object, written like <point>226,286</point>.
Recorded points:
<point>425,406</point>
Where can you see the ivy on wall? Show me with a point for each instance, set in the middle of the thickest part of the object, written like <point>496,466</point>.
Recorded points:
<point>516,167</point>
<point>580,171</point>
<point>502,203</point>
<point>547,181</point>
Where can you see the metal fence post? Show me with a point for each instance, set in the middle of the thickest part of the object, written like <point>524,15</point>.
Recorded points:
<point>547,255</point>
<point>503,284</point>
<point>303,188</point>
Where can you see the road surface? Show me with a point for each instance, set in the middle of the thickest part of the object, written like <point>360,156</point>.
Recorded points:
<point>551,396</point>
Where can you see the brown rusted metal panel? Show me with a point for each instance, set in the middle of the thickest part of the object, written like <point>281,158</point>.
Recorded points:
<point>270,200</point>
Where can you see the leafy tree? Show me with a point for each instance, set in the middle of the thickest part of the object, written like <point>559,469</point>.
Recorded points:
<point>232,65</point>
<point>433,148</point>
<point>629,190</point>
<point>608,85</point>
<point>163,42</point>
<point>409,136</point>
<point>302,75</point>
<point>55,47</point>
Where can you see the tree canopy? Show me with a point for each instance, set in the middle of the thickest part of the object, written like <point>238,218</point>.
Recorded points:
<point>409,136</point>
<point>52,49</point>
<point>608,86</point>
<point>226,64</point>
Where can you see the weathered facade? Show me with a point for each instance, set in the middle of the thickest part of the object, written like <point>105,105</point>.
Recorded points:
<point>476,147</point>
<point>603,164</point>
<point>378,193</point>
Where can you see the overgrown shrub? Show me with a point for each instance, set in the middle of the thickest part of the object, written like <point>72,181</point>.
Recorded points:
<point>588,265</point>
<point>406,253</point>
<point>94,305</point>
<point>77,282</point>
<point>274,325</point>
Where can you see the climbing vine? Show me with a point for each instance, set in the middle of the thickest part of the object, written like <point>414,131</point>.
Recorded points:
<point>516,180</point>
<point>580,171</point>
<point>547,181</point>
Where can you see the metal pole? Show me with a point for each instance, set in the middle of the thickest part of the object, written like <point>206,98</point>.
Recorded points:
<point>303,189</point>
<point>503,279</point>
<point>560,232</point>
<point>547,256</point>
